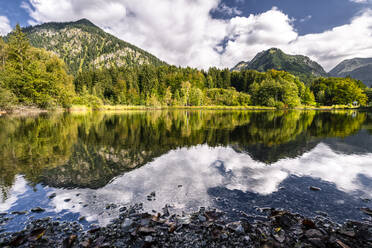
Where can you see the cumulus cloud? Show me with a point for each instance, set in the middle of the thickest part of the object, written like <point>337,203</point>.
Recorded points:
<point>249,35</point>
<point>182,32</point>
<point>224,9</point>
<point>211,168</point>
<point>19,187</point>
<point>359,1</point>
<point>5,27</point>
<point>342,42</point>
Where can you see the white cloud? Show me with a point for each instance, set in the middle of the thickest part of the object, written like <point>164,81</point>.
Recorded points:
<point>306,18</point>
<point>359,1</point>
<point>342,42</point>
<point>249,35</point>
<point>5,27</point>
<point>210,168</point>
<point>18,188</point>
<point>224,9</point>
<point>182,32</point>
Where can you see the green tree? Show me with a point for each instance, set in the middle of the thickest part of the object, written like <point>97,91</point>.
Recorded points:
<point>167,100</point>
<point>18,48</point>
<point>196,97</point>
<point>330,91</point>
<point>7,98</point>
<point>185,93</point>
<point>35,76</point>
<point>3,53</point>
<point>308,97</point>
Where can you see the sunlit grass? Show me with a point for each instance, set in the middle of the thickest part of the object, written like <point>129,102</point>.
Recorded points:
<point>83,108</point>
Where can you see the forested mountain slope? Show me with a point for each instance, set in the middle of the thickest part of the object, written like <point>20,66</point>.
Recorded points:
<point>83,45</point>
<point>274,58</point>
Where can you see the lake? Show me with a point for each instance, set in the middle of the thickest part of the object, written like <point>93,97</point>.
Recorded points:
<point>91,164</point>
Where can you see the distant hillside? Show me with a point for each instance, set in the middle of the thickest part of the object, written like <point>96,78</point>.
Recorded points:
<point>274,58</point>
<point>358,68</point>
<point>83,45</point>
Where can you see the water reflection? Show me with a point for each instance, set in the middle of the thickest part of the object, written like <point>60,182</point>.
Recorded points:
<point>190,158</point>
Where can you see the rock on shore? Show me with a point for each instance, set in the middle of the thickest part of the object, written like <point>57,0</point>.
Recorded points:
<point>205,228</point>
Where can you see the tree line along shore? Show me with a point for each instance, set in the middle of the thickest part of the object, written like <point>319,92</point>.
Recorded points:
<point>35,78</point>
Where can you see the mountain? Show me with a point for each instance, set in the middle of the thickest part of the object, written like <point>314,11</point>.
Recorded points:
<point>83,45</point>
<point>358,68</point>
<point>274,58</point>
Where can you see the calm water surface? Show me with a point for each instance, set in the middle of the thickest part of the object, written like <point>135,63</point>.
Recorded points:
<point>235,161</point>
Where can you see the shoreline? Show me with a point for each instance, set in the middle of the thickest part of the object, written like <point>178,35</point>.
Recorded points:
<point>32,110</point>
<point>204,228</point>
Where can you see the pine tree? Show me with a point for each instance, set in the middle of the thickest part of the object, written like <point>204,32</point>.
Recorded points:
<point>3,53</point>
<point>18,47</point>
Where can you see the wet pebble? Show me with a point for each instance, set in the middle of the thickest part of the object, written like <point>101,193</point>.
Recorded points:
<point>19,212</point>
<point>37,210</point>
<point>51,196</point>
<point>313,188</point>
<point>204,228</point>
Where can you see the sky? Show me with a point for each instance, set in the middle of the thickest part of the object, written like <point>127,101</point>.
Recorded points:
<point>221,33</point>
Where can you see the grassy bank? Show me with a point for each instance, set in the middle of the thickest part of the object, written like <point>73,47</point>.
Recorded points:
<point>79,108</point>
<point>141,107</point>
<point>30,110</point>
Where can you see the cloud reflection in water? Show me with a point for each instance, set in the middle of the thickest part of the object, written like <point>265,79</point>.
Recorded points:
<point>182,177</point>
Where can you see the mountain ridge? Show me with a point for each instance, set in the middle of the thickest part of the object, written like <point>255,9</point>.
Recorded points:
<point>83,45</point>
<point>358,68</point>
<point>274,58</point>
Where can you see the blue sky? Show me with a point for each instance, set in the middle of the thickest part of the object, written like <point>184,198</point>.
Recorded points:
<point>190,32</point>
<point>312,16</point>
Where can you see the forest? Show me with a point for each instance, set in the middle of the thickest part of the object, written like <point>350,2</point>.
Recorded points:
<point>31,76</point>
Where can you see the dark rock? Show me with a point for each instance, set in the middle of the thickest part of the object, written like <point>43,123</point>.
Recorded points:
<point>122,209</point>
<point>349,233</point>
<point>317,242</point>
<point>202,218</point>
<point>313,188</point>
<point>166,211</point>
<point>367,211</point>
<point>37,210</point>
<point>285,220</point>
<point>146,230</point>
<point>68,242</point>
<point>308,224</point>
<point>313,233</point>
<point>236,227</point>
<point>94,229</point>
<point>19,212</point>
<point>51,196</point>
<point>18,240</point>
<point>205,228</point>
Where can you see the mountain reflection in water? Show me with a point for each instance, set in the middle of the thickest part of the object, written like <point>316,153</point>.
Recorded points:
<point>226,159</point>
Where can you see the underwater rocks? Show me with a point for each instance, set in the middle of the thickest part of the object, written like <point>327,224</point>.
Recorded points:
<point>204,228</point>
